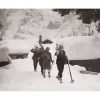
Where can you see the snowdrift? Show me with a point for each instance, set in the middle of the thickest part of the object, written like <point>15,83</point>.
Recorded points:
<point>4,55</point>
<point>4,52</point>
<point>20,76</point>
<point>81,47</point>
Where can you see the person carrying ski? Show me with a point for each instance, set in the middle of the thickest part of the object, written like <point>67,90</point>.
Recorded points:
<point>60,61</point>
<point>47,59</point>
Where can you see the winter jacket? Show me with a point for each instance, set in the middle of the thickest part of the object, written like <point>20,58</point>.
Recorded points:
<point>46,59</point>
<point>61,57</point>
<point>36,54</point>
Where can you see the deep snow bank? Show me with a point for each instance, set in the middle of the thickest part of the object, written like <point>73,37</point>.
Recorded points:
<point>4,52</point>
<point>81,47</point>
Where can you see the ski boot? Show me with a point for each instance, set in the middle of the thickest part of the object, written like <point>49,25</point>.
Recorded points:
<point>57,77</point>
<point>60,79</point>
<point>35,70</point>
<point>44,76</point>
<point>42,73</point>
<point>49,74</point>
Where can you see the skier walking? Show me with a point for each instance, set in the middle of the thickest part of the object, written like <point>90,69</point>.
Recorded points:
<point>47,59</point>
<point>60,61</point>
<point>35,57</point>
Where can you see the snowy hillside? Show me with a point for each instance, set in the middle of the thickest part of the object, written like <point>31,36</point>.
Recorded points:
<point>27,23</point>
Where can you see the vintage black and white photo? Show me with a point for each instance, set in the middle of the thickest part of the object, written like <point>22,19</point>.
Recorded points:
<point>50,49</point>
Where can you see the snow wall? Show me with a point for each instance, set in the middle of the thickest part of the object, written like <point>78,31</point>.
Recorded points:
<point>81,47</point>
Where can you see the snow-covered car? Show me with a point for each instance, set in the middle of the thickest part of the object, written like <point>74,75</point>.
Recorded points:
<point>18,55</point>
<point>5,59</point>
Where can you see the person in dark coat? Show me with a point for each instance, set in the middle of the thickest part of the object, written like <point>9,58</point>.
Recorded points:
<point>45,59</point>
<point>35,57</point>
<point>46,62</point>
<point>40,59</point>
<point>60,61</point>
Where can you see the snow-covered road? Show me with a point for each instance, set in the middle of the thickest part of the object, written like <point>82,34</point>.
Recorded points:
<point>21,76</point>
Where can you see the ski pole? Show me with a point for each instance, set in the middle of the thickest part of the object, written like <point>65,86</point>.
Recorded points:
<point>70,73</point>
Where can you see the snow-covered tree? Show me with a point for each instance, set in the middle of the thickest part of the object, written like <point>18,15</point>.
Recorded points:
<point>2,23</point>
